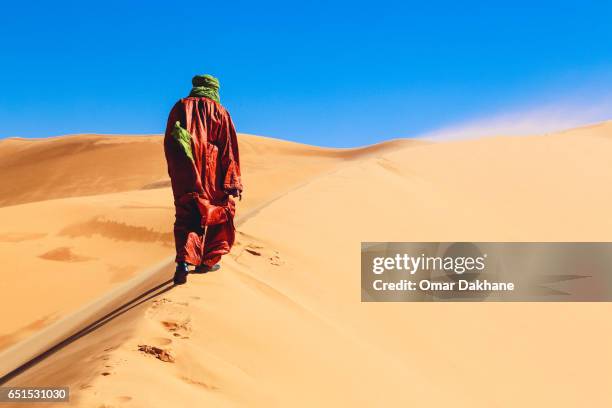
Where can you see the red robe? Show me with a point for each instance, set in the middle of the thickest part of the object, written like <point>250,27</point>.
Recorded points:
<point>203,228</point>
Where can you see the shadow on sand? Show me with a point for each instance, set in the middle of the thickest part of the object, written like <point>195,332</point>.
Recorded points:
<point>138,300</point>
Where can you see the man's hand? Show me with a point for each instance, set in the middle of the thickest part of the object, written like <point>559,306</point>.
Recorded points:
<point>234,192</point>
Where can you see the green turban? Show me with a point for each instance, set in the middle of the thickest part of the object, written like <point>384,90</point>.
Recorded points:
<point>205,86</point>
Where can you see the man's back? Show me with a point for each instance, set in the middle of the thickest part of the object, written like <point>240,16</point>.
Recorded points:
<point>214,148</point>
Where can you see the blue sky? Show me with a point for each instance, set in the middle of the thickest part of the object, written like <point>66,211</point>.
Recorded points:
<point>327,73</point>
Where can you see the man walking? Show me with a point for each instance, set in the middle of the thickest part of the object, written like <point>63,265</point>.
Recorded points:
<point>204,167</point>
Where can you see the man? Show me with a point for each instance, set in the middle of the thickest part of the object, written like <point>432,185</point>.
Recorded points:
<point>204,167</point>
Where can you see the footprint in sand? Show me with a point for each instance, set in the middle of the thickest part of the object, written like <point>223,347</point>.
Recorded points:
<point>199,383</point>
<point>160,302</point>
<point>276,260</point>
<point>178,328</point>
<point>251,248</point>
<point>157,352</point>
<point>172,316</point>
<point>273,256</point>
<point>254,249</point>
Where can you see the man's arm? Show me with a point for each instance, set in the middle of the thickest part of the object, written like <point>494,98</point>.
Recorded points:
<point>230,158</point>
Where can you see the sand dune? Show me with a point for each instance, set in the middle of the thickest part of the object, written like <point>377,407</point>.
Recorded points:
<point>281,324</point>
<point>46,245</point>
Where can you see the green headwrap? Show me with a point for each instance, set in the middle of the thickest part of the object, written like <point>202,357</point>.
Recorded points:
<point>205,86</point>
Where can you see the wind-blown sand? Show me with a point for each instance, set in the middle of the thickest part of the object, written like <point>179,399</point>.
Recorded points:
<point>281,324</point>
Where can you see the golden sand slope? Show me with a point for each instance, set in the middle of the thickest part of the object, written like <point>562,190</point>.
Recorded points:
<point>282,323</point>
<point>77,246</point>
<point>58,254</point>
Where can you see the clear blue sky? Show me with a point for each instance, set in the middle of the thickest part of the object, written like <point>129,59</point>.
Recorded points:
<point>329,73</point>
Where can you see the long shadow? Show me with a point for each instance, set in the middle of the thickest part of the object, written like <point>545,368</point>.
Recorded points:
<point>156,291</point>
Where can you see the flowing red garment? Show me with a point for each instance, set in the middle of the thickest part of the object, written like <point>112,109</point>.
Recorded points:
<point>203,228</point>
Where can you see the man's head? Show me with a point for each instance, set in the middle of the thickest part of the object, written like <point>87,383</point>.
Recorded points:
<point>206,86</point>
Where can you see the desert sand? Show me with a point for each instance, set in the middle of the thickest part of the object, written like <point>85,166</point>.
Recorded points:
<point>86,225</point>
